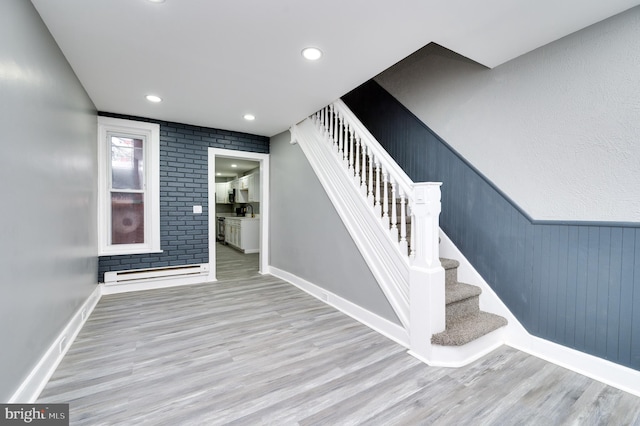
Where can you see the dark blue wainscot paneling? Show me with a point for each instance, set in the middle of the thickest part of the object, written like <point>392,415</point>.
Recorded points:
<point>183,183</point>
<point>577,284</point>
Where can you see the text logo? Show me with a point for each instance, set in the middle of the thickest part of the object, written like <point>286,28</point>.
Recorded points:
<point>34,414</point>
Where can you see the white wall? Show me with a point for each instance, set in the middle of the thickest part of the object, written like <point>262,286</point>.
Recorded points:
<point>48,230</point>
<point>308,238</point>
<point>557,129</point>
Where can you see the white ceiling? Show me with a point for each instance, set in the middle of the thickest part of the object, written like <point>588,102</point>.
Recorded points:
<point>233,167</point>
<point>212,61</point>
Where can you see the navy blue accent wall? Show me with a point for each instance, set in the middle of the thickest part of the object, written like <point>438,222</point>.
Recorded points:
<point>573,283</point>
<point>183,184</point>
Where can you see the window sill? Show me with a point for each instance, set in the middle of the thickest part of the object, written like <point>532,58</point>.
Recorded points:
<point>128,252</point>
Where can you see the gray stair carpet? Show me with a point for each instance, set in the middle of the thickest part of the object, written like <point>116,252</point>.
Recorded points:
<point>464,319</point>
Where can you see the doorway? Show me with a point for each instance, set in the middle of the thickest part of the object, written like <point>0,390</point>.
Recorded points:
<point>226,156</point>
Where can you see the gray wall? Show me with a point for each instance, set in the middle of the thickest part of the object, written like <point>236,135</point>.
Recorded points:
<point>184,171</point>
<point>308,238</point>
<point>555,129</point>
<point>48,248</point>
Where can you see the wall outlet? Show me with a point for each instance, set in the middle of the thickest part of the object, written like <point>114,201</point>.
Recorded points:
<point>63,341</point>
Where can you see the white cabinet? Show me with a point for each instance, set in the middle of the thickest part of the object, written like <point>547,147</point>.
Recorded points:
<point>243,182</point>
<point>243,234</point>
<point>222,192</point>
<point>232,232</point>
<point>242,196</point>
<point>254,188</point>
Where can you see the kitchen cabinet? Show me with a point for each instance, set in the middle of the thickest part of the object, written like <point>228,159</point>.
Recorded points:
<point>222,192</point>
<point>243,182</point>
<point>254,188</point>
<point>243,234</point>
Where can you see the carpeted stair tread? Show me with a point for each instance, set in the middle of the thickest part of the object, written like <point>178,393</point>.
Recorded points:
<point>449,263</point>
<point>469,328</point>
<point>460,291</point>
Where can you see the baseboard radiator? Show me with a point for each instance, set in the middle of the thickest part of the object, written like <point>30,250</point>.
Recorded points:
<point>165,272</point>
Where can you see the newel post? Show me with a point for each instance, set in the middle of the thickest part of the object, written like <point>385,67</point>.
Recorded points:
<point>426,276</point>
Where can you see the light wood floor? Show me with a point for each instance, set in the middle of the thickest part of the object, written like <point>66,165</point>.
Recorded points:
<point>258,351</point>
<point>232,264</point>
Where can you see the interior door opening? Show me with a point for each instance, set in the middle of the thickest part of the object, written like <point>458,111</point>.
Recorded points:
<point>238,214</point>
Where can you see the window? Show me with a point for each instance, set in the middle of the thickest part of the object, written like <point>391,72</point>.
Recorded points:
<point>129,181</point>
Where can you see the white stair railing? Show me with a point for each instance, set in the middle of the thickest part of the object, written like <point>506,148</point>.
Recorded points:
<point>407,211</point>
<point>385,185</point>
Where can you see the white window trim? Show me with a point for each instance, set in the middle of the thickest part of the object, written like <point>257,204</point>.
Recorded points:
<point>151,133</point>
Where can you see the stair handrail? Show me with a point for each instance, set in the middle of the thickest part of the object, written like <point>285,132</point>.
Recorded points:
<point>419,204</point>
<point>354,144</point>
<point>385,159</point>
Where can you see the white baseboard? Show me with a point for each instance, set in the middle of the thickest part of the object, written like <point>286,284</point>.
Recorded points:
<point>459,356</point>
<point>152,284</point>
<point>607,372</point>
<point>383,326</point>
<point>516,336</point>
<point>35,382</point>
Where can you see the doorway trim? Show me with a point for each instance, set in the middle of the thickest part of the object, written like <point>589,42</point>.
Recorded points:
<point>263,159</point>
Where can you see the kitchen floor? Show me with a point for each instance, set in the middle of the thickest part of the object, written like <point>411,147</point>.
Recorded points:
<point>232,264</point>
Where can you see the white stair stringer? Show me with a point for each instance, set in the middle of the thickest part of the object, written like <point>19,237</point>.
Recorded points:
<point>387,264</point>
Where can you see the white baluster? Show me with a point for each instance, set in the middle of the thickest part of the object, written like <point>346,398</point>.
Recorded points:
<point>350,154</point>
<point>327,123</point>
<point>331,129</point>
<point>385,199</point>
<point>404,247</point>
<point>340,137</point>
<point>357,161</point>
<point>370,180</point>
<point>345,147</point>
<point>394,212</point>
<point>377,206</point>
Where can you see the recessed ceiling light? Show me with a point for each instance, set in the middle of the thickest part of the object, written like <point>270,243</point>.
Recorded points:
<point>154,98</point>
<point>218,174</point>
<point>311,53</point>
<point>156,1</point>
<point>234,165</point>
<point>249,117</point>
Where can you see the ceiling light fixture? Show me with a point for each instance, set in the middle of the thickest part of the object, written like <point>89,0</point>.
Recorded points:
<point>234,165</point>
<point>249,117</point>
<point>312,53</point>
<point>156,1</point>
<point>154,98</point>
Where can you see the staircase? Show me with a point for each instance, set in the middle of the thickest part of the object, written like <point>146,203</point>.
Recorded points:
<point>394,223</point>
<point>463,318</point>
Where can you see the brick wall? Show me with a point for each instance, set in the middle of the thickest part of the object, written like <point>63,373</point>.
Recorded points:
<point>183,184</point>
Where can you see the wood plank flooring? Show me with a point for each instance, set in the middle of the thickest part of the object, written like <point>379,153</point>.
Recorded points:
<point>232,264</point>
<point>258,351</point>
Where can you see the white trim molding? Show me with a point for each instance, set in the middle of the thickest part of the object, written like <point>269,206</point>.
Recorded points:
<point>375,322</point>
<point>37,379</point>
<point>516,336</point>
<point>263,159</point>
<point>150,133</point>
